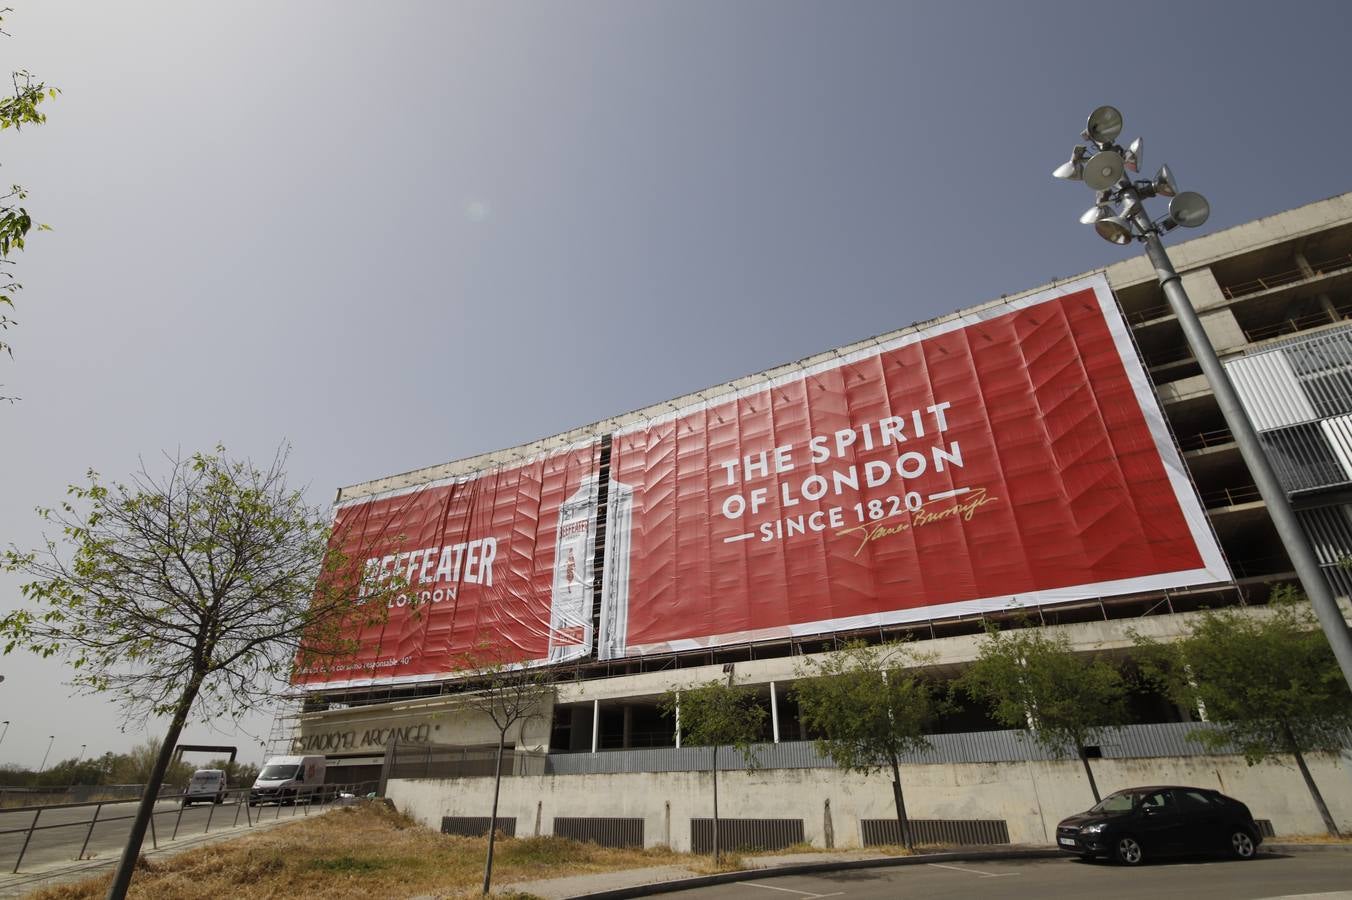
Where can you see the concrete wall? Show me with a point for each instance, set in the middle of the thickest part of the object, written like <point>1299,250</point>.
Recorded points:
<point>1030,796</point>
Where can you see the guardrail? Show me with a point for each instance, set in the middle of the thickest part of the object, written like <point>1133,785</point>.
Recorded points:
<point>238,797</point>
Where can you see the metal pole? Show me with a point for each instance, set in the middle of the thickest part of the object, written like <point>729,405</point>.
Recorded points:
<point>90,833</point>
<point>28,837</point>
<point>1279,508</point>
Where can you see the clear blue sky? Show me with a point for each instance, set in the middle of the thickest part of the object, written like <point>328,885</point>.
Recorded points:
<point>396,234</point>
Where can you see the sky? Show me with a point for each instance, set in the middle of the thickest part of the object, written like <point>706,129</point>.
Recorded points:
<point>396,234</point>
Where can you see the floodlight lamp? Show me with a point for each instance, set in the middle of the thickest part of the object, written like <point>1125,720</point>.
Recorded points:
<point>1165,185</point>
<point>1105,124</point>
<point>1132,159</point>
<point>1073,168</point>
<point>1189,209</point>
<point>1114,229</point>
<point>1102,170</point>
<point>1094,213</point>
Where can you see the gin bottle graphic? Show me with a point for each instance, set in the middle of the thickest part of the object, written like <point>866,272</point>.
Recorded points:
<point>615,581</point>
<point>570,606</point>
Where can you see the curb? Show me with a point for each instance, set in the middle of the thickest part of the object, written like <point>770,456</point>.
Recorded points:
<point>1278,847</point>
<point>684,884</point>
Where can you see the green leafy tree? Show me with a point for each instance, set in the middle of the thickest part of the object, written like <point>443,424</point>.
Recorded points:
<point>1267,680</point>
<point>192,593</point>
<point>718,714</point>
<point>510,697</point>
<point>21,107</point>
<point>873,706</point>
<point>1031,679</point>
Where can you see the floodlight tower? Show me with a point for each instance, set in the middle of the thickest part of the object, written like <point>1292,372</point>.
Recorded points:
<point>1119,216</point>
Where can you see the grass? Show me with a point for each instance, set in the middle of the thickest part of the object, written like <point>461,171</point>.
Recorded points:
<point>365,852</point>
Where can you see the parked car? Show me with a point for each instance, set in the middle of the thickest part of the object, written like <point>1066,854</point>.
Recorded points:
<point>205,786</point>
<point>1142,823</point>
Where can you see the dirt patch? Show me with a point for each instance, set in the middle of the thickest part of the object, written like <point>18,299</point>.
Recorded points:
<point>360,853</point>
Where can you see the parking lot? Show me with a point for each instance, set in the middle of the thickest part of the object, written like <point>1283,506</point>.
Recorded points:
<point>1323,875</point>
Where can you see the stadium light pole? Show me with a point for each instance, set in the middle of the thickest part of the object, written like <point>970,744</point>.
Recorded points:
<point>1119,216</point>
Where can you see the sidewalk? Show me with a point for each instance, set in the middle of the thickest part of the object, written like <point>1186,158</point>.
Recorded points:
<point>55,873</point>
<point>661,879</point>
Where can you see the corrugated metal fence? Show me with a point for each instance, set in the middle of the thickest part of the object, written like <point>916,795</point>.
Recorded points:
<point>437,761</point>
<point>1129,742</point>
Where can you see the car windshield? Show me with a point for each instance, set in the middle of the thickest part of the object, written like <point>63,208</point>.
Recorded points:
<point>1113,803</point>
<point>277,773</point>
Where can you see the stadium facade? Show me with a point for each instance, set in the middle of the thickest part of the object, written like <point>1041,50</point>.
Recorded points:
<point>1054,454</point>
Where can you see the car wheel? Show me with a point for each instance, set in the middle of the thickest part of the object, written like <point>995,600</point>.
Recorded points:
<point>1127,850</point>
<point>1241,844</point>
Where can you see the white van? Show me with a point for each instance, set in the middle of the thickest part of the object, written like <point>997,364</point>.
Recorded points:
<point>284,779</point>
<point>205,786</point>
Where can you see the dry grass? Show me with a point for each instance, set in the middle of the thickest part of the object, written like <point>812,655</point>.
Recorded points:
<point>364,852</point>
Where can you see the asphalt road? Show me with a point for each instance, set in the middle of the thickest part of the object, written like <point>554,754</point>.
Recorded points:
<point>51,846</point>
<point>1266,876</point>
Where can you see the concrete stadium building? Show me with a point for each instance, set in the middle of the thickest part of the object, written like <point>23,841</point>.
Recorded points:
<point>1275,297</point>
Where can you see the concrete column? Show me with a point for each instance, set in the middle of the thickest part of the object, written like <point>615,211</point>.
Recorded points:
<point>1325,302</point>
<point>596,725</point>
<point>628,727</point>
<point>774,712</point>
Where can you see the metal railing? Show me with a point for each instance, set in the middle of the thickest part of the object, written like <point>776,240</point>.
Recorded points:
<point>1145,315</point>
<point>1290,276</point>
<point>1296,323</point>
<point>1204,439</point>
<point>1230,496</point>
<point>236,797</point>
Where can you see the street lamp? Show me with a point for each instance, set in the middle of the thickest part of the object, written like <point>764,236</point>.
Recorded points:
<point>50,739</point>
<point>1119,216</point>
<point>81,756</point>
<point>5,732</point>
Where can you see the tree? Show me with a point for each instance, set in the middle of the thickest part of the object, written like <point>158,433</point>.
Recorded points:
<point>510,696</point>
<point>873,706</point>
<point>1267,679</point>
<point>1031,678</point>
<point>192,593</point>
<point>718,714</point>
<point>20,108</point>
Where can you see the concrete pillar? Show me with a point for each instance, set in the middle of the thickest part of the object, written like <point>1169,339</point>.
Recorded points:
<point>628,727</point>
<point>1325,301</point>
<point>596,725</point>
<point>774,713</point>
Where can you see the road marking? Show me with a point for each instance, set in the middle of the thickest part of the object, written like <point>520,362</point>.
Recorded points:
<point>771,887</point>
<point>976,872</point>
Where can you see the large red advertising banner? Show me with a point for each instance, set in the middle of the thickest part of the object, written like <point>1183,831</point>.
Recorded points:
<point>1013,457</point>
<point>499,561</point>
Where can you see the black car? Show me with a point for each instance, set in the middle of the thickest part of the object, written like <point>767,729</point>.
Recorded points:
<point>1142,823</point>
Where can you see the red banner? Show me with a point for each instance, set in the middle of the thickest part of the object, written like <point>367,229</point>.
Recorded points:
<point>1013,457</point>
<point>499,561</point>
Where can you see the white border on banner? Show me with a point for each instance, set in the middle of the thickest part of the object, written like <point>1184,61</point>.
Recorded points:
<point>1212,571</point>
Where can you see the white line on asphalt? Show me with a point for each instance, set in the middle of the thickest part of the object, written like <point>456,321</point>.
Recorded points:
<point>977,872</point>
<point>771,887</point>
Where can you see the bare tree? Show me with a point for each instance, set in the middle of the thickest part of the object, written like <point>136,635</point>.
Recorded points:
<point>196,592</point>
<point>510,696</point>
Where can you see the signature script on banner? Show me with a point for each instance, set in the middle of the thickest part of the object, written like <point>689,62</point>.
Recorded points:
<point>969,505</point>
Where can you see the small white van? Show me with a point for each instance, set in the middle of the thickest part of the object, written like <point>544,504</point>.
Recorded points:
<point>285,779</point>
<point>205,786</point>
